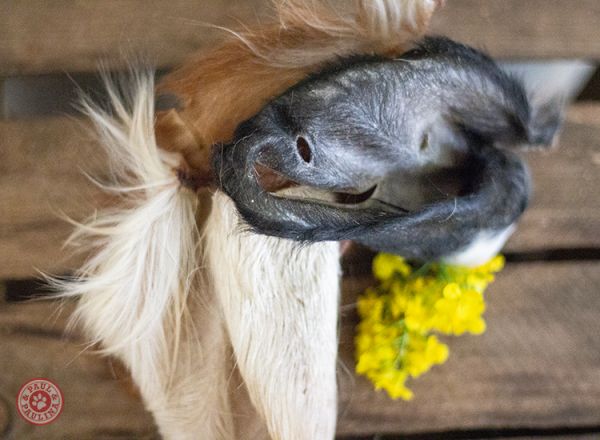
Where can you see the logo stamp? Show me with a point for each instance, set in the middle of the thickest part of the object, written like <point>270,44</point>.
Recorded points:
<point>40,401</point>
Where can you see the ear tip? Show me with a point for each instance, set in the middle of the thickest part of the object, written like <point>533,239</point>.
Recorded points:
<point>546,137</point>
<point>546,122</point>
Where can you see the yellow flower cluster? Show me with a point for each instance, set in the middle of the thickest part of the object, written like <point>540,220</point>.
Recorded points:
<point>395,339</point>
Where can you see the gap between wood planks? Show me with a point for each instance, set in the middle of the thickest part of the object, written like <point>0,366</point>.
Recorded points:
<point>357,263</point>
<point>579,433</point>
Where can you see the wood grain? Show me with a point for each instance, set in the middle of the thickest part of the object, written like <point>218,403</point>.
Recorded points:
<point>37,36</point>
<point>536,367</point>
<point>3,104</point>
<point>565,207</point>
<point>524,29</point>
<point>41,164</point>
<point>41,178</point>
<point>98,402</point>
<point>70,35</point>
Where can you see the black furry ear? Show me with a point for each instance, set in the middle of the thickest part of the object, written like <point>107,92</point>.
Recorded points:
<point>546,120</point>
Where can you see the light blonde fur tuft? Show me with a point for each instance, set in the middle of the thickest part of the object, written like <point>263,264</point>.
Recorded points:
<point>344,27</point>
<point>142,287</point>
<point>280,302</point>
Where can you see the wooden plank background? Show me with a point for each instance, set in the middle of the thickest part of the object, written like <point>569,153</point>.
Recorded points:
<point>536,366</point>
<point>534,373</point>
<point>41,175</point>
<point>33,344</point>
<point>37,36</point>
<point>565,208</point>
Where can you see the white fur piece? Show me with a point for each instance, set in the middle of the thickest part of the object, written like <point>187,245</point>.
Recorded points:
<point>389,20</point>
<point>141,296</point>
<point>482,249</point>
<point>345,27</point>
<point>280,302</point>
<point>378,21</point>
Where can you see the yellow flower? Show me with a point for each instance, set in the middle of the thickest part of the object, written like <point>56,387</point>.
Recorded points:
<point>459,314</point>
<point>417,315</point>
<point>394,384</point>
<point>424,352</point>
<point>394,339</point>
<point>496,264</point>
<point>386,265</point>
<point>435,351</point>
<point>451,291</point>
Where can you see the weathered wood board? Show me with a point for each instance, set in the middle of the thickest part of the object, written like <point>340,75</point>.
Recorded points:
<point>565,207</point>
<point>536,367</point>
<point>524,28</point>
<point>98,403</point>
<point>42,165</point>
<point>519,434</point>
<point>41,175</point>
<point>38,36</point>
<point>535,370</point>
<point>68,35</point>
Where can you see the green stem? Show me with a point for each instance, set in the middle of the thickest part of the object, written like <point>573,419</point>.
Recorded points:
<point>402,344</point>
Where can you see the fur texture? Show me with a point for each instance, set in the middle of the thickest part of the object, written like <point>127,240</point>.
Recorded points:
<point>362,122</point>
<point>170,306</point>
<point>218,90</point>
<point>280,302</point>
<point>141,293</point>
<point>147,298</point>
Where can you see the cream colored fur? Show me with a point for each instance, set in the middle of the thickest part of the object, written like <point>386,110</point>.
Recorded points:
<point>280,302</point>
<point>147,299</point>
<point>342,28</point>
<point>143,295</point>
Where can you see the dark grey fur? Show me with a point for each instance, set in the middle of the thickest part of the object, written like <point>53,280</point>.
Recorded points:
<point>366,120</point>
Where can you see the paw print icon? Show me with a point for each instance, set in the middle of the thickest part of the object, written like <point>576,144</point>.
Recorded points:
<point>39,401</point>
